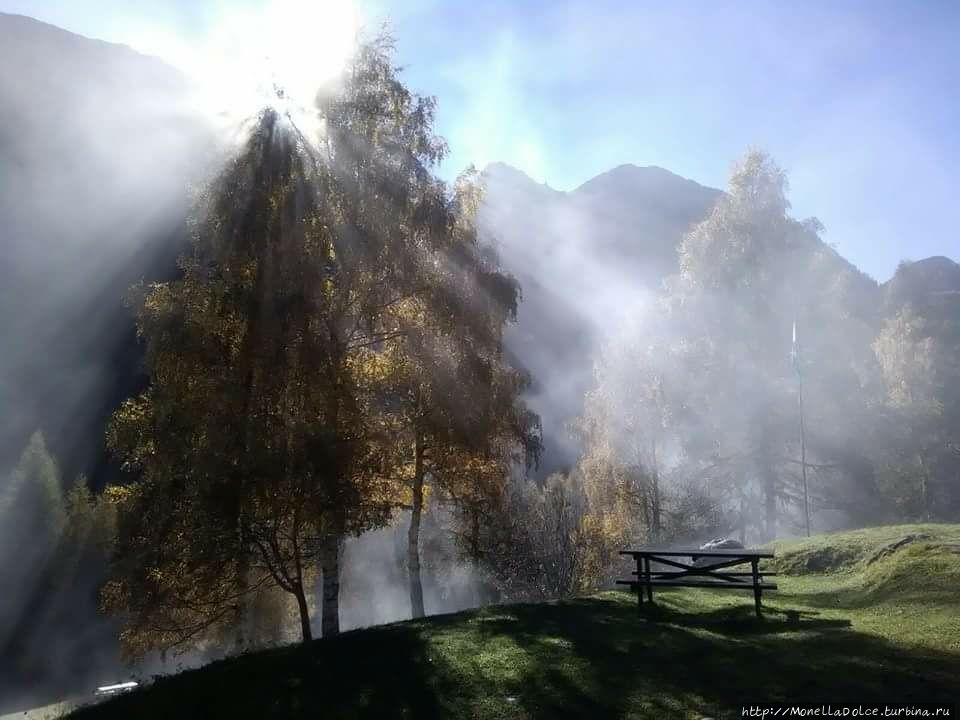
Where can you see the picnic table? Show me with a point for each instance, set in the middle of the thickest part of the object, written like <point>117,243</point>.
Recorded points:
<point>698,568</point>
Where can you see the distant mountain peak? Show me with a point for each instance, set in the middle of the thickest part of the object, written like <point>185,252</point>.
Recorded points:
<point>642,178</point>
<point>936,269</point>
<point>935,262</point>
<point>920,281</point>
<point>502,169</point>
<point>500,166</point>
<point>631,168</point>
<point>627,176</point>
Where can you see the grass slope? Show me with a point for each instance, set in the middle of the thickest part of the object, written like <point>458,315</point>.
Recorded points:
<point>47,712</point>
<point>884,631</point>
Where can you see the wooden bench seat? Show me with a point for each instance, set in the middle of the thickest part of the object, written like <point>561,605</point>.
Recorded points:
<point>634,584</point>
<point>681,573</point>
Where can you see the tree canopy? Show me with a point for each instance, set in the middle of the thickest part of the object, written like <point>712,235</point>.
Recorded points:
<point>336,307</point>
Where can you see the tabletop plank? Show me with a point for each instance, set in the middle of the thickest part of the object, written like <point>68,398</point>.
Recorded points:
<point>746,552</point>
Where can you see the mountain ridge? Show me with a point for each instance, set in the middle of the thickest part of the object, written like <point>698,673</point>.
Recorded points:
<point>500,167</point>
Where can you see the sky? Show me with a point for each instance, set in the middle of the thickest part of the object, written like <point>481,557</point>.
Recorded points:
<point>857,100</point>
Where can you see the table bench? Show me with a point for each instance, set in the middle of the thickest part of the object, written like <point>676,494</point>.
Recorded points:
<point>697,573</point>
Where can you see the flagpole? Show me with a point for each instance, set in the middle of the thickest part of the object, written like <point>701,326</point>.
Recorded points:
<point>803,438</point>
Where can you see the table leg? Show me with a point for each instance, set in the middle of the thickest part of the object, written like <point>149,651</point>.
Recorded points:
<point>757,592</point>
<point>646,563</point>
<point>639,581</point>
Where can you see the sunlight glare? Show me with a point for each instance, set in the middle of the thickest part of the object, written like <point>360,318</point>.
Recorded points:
<point>277,56</point>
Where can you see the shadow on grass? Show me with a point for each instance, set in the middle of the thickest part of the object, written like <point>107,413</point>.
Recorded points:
<point>742,620</point>
<point>707,662</point>
<point>591,657</point>
<point>860,598</point>
<point>389,673</point>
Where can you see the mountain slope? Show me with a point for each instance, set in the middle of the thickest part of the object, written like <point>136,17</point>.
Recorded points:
<point>932,282</point>
<point>582,258</point>
<point>97,144</point>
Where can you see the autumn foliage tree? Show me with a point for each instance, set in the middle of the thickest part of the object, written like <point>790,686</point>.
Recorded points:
<point>693,421</point>
<point>333,292</point>
<point>459,421</point>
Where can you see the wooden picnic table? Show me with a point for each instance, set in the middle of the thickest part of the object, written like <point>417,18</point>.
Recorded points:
<point>712,573</point>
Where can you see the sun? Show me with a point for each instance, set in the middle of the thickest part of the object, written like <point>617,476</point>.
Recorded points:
<point>277,54</point>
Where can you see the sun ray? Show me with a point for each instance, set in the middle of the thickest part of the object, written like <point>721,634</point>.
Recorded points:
<point>275,56</point>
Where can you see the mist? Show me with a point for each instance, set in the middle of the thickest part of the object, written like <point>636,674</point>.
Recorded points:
<point>375,586</point>
<point>654,325</point>
<point>98,149</point>
<point>101,152</point>
<point>589,261</point>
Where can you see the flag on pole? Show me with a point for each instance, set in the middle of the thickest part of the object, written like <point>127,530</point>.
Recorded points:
<point>795,350</point>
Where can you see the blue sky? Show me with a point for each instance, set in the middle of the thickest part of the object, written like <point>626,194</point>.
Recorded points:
<point>857,100</point>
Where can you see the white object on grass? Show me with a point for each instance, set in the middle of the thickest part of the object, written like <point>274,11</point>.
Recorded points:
<point>118,688</point>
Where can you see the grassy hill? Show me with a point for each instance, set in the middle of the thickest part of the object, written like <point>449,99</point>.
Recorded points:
<point>873,626</point>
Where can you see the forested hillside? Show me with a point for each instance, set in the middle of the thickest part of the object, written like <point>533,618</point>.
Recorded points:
<point>96,149</point>
<point>97,146</point>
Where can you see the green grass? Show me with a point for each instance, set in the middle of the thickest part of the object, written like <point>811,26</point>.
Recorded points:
<point>911,596</point>
<point>882,632</point>
<point>848,550</point>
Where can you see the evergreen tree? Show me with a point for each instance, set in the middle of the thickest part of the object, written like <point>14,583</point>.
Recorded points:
<point>32,519</point>
<point>32,511</point>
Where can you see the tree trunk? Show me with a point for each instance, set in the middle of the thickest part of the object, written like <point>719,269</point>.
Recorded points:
<point>768,478</point>
<point>475,553</point>
<point>413,536</point>
<point>655,479</point>
<point>242,610</point>
<point>645,510</point>
<point>330,562</point>
<point>743,517</point>
<point>770,503</point>
<point>305,630</point>
<point>924,482</point>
